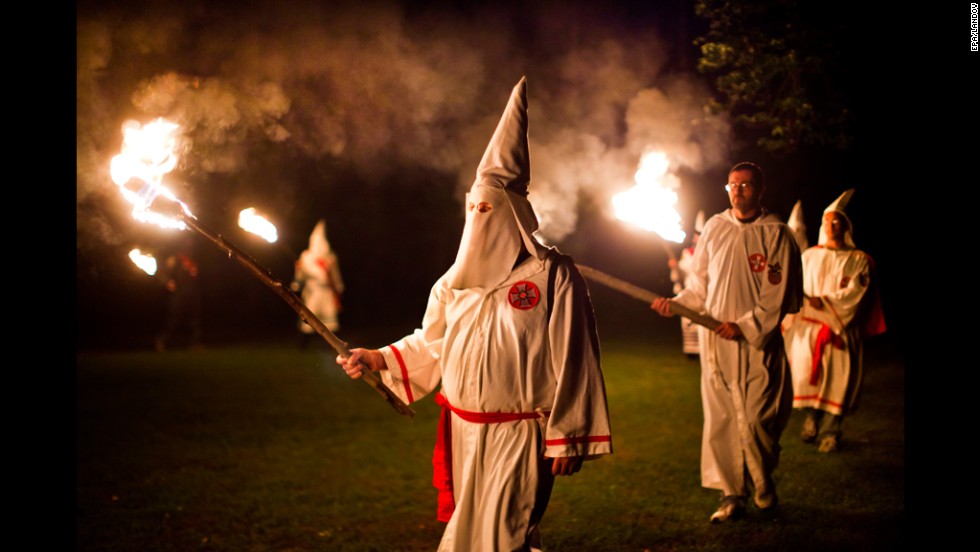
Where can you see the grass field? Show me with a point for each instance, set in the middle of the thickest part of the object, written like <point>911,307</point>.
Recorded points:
<point>267,447</point>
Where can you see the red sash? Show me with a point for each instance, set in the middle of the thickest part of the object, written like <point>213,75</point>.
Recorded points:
<point>824,336</point>
<point>442,456</point>
<point>874,324</point>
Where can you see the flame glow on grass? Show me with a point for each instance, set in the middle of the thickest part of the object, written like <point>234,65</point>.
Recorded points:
<point>148,153</point>
<point>650,204</point>
<point>251,221</point>
<point>144,261</point>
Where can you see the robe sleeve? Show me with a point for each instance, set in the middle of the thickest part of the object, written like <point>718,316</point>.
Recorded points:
<point>846,299</point>
<point>579,420</point>
<point>413,361</point>
<point>843,304</point>
<point>780,290</point>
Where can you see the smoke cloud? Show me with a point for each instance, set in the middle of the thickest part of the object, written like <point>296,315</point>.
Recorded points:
<point>382,87</point>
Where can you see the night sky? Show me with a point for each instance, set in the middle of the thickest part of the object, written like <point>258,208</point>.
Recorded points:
<point>373,116</point>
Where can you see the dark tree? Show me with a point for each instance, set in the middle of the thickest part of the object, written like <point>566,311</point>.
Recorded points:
<point>779,67</point>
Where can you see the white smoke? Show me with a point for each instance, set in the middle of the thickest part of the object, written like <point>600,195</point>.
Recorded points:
<point>384,87</point>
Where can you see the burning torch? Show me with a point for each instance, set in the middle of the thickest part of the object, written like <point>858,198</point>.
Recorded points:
<point>253,222</point>
<point>148,153</point>
<point>650,205</point>
<point>146,262</point>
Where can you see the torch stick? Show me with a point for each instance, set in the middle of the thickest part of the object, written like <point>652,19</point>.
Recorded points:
<point>645,295</point>
<point>297,304</point>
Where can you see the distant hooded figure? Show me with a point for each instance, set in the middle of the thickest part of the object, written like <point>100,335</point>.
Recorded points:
<point>797,225</point>
<point>509,332</point>
<point>824,341</point>
<point>318,276</point>
<point>680,269</point>
<point>179,272</point>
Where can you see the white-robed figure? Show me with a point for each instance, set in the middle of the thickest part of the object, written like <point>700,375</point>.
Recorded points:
<point>824,340</point>
<point>318,275</point>
<point>746,273</point>
<point>680,269</point>
<point>510,333</point>
<point>798,226</point>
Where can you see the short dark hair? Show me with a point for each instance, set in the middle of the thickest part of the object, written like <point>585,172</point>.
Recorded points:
<point>756,170</point>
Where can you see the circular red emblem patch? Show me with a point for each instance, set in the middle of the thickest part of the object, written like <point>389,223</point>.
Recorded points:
<point>523,295</point>
<point>757,262</point>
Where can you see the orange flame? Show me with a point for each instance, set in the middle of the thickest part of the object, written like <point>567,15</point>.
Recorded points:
<point>144,261</point>
<point>251,221</point>
<point>650,204</point>
<point>148,153</point>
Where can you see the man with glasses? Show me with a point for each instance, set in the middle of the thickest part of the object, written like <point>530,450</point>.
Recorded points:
<point>746,272</point>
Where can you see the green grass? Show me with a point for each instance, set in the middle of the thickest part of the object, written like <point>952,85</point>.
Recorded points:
<point>256,448</point>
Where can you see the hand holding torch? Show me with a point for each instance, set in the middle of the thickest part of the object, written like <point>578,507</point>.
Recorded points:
<point>645,295</point>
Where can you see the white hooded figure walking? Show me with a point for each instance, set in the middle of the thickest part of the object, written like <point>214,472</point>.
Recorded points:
<point>824,341</point>
<point>510,333</point>
<point>318,276</point>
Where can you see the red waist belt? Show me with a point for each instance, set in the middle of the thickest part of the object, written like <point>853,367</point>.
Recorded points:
<point>442,457</point>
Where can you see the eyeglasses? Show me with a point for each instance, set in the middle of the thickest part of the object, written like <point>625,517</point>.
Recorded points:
<point>732,185</point>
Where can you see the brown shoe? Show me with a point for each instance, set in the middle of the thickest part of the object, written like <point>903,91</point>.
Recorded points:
<point>766,501</point>
<point>731,509</point>
<point>809,433</point>
<point>829,444</point>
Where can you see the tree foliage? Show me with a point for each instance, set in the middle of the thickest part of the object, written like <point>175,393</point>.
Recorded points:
<point>778,68</point>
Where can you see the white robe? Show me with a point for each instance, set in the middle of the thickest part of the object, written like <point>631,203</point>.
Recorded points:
<point>748,274</point>
<point>841,278</point>
<point>322,287</point>
<point>494,357</point>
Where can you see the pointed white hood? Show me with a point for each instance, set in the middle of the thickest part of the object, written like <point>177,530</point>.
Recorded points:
<point>319,245</point>
<point>838,206</point>
<point>797,225</point>
<point>318,250</point>
<point>492,237</point>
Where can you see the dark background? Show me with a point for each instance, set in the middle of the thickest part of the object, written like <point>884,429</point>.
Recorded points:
<point>389,108</point>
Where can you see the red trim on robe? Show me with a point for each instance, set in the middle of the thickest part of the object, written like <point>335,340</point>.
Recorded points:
<point>401,364</point>
<point>818,397</point>
<point>577,440</point>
